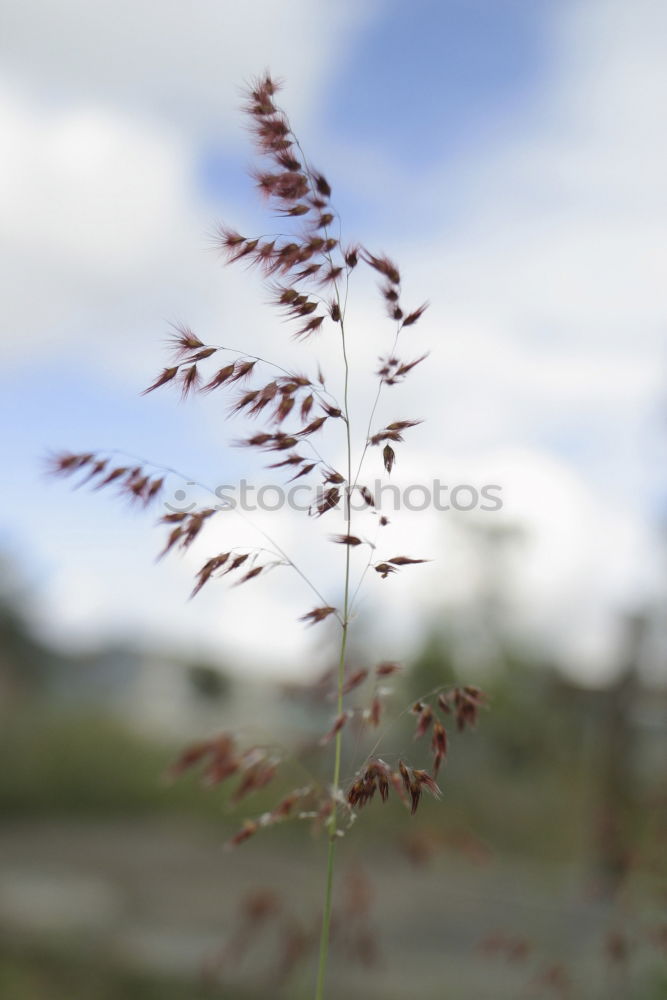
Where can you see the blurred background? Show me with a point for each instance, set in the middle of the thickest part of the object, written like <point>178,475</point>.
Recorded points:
<point>510,157</point>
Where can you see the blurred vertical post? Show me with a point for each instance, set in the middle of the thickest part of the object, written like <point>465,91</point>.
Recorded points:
<point>617,760</point>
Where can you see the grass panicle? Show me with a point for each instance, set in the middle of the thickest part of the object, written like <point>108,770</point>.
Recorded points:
<point>308,273</point>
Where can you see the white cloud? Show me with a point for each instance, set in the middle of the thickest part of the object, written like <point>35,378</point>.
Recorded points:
<point>179,63</point>
<point>103,113</point>
<point>90,202</point>
<point>550,322</point>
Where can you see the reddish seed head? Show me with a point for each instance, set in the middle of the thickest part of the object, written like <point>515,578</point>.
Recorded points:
<point>367,496</point>
<point>346,539</point>
<point>295,211</point>
<point>404,772</point>
<point>205,353</point>
<point>208,569</point>
<point>293,459</point>
<point>438,746</point>
<point>322,185</point>
<point>309,328</point>
<point>443,703</point>
<point>257,770</point>
<point>317,615</point>
<point>191,756</point>
<point>313,426</point>
<point>220,377</point>
<point>96,469</point>
<point>405,561</point>
<point>424,721</point>
<point>249,829</point>
<point>304,471</point>
<point>355,680</point>
<point>385,669</point>
<point>283,409</point>
<point>218,753</point>
<point>338,724</point>
<point>426,781</point>
<point>237,561</point>
<point>245,401</point>
<point>190,380</point>
<point>287,160</point>
<point>331,276</point>
<point>306,406</point>
<point>328,501</point>
<point>242,370</point>
<point>229,238</point>
<point>306,272</point>
<point>262,88</point>
<point>401,425</point>
<point>184,341</point>
<point>466,704</point>
<point>174,536</point>
<point>384,266</point>
<point>166,376</point>
<point>65,463</point>
<point>408,366</point>
<point>375,714</point>
<point>286,806</point>
<point>415,315</point>
<point>375,776</point>
<point>250,575</point>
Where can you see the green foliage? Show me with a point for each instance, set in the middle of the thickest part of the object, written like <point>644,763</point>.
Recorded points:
<point>209,683</point>
<point>47,974</point>
<point>79,765</point>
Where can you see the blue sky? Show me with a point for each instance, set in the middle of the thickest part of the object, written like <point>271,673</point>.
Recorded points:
<point>504,152</point>
<point>426,84</point>
<point>427,81</point>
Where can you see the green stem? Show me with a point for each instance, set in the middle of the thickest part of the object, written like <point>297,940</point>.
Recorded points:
<point>331,826</point>
<point>331,854</point>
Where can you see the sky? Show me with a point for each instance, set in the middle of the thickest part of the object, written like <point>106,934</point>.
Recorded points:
<point>508,155</point>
